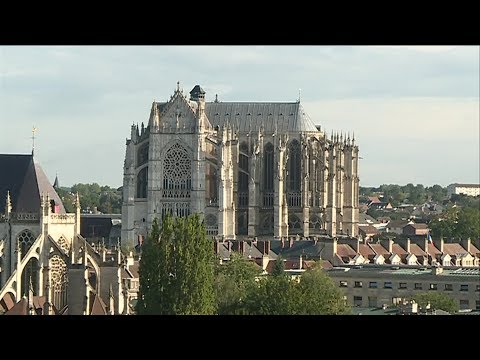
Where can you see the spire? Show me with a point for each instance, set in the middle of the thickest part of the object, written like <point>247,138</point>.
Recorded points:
<point>216,98</point>
<point>56,183</point>
<point>34,130</point>
<point>178,85</point>
<point>8,205</point>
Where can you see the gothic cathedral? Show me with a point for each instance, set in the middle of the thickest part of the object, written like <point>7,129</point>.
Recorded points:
<point>251,169</point>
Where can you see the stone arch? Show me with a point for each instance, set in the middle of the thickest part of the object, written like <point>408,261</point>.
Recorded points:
<point>25,240</point>
<point>30,271</point>
<point>142,154</point>
<point>315,222</point>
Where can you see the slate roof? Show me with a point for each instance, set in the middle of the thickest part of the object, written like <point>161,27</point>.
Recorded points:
<point>250,116</point>
<point>26,181</point>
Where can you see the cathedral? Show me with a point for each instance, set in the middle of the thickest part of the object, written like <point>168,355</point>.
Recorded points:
<point>46,266</point>
<point>251,169</point>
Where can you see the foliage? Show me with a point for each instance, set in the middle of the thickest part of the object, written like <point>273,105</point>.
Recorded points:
<point>320,295</point>
<point>457,223</point>
<point>176,269</point>
<point>413,194</point>
<point>68,199</point>
<point>107,200</point>
<point>314,294</point>
<point>437,300</point>
<point>234,280</point>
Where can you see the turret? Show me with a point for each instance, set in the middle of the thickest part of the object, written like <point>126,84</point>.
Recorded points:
<point>8,206</point>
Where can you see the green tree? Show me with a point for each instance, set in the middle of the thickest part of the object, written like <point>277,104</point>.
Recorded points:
<point>275,295</point>
<point>437,301</point>
<point>234,281</point>
<point>176,269</point>
<point>319,295</point>
<point>468,224</point>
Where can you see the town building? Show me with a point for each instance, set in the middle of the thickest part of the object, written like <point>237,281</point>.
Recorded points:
<point>467,189</point>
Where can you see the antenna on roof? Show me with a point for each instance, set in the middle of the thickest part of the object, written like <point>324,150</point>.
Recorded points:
<point>299,94</point>
<point>34,129</point>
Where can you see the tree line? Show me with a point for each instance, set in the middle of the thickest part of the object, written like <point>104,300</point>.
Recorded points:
<point>180,274</point>
<point>105,199</point>
<point>413,194</point>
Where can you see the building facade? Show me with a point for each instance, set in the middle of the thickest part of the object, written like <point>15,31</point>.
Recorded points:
<point>467,189</point>
<point>250,169</point>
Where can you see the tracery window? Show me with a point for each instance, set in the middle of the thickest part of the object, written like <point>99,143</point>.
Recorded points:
<point>177,181</point>
<point>267,224</point>
<point>63,243</point>
<point>177,169</point>
<point>294,223</point>
<point>315,222</point>
<point>25,240</point>
<point>294,166</point>
<point>58,281</point>
<point>142,182</point>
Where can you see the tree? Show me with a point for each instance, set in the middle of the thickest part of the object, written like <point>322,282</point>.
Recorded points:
<point>234,281</point>
<point>314,294</point>
<point>319,295</point>
<point>468,224</point>
<point>176,269</point>
<point>437,301</point>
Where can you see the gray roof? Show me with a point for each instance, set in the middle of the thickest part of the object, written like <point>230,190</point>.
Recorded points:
<point>26,182</point>
<point>250,116</point>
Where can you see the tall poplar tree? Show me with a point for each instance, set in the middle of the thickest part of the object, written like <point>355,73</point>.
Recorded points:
<point>177,269</point>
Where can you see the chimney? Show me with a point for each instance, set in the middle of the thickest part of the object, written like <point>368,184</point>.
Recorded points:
<point>229,247</point>
<point>439,244</point>
<point>407,245</point>
<point>265,260</point>
<point>467,244</point>
<point>216,248</point>
<point>437,270</point>
<point>283,242</point>
<point>390,245</point>
<point>424,245</point>
<point>300,265</point>
<point>356,244</point>
<point>241,247</point>
<point>290,244</point>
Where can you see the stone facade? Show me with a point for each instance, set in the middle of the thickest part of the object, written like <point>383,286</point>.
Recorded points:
<point>250,169</point>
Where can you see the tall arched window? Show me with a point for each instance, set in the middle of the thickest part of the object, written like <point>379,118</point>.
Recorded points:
<point>243,174</point>
<point>142,182</point>
<point>25,240</point>
<point>58,281</point>
<point>294,166</point>
<point>211,185</point>
<point>142,155</point>
<point>30,277</point>
<point>268,168</point>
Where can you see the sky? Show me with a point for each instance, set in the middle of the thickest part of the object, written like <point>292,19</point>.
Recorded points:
<point>414,109</point>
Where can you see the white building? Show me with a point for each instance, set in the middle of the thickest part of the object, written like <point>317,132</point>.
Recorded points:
<point>467,189</point>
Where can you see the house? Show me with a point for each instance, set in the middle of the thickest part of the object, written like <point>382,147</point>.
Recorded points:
<point>416,229</point>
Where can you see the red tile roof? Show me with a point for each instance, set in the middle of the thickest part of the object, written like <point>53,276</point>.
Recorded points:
<point>474,250</point>
<point>453,249</point>
<point>344,250</point>
<point>20,308</point>
<point>397,249</point>
<point>365,250</point>
<point>417,250</point>
<point>380,250</point>
<point>432,250</point>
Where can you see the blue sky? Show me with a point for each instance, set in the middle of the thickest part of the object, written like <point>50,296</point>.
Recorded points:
<point>414,109</point>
